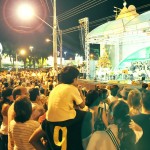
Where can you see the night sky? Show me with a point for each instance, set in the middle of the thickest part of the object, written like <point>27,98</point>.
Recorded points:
<point>33,33</point>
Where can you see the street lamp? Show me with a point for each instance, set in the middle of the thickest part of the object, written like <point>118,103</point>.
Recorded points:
<point>25,11</point>
<point>31,48</point>
<point>47,40</point>
<point>22,52</point>
<point>65,53</point>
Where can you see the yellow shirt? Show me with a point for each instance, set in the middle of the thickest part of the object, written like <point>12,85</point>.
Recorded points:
<point>61,103</point>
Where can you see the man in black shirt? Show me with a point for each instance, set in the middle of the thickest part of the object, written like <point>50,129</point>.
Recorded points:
<point>143,120</point>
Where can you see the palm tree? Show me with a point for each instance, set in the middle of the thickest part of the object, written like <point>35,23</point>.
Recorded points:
<point>10,50</point>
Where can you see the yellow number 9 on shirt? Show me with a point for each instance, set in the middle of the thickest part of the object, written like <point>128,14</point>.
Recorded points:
<point>63,142</point>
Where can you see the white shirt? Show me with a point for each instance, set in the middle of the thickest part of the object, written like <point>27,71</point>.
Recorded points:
<point>100,140</point>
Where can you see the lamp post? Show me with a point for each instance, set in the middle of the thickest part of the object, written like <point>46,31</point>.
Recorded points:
<point>1,49</point>
<point>23,11</point>
<point>54,35</point>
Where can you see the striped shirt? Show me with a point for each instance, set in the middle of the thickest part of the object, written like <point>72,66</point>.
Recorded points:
<point>19,134</point>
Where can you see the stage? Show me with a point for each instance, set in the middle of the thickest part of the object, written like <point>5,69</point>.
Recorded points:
<point>91,84</point>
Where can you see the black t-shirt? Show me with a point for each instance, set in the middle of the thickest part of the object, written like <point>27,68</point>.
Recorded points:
<point>77,129</point>
<point>144,121</point>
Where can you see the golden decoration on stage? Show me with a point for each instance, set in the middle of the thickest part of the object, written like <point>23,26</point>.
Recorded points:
<point>104,61</point>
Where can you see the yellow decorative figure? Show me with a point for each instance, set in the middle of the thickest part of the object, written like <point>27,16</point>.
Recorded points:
<point>63,142</point>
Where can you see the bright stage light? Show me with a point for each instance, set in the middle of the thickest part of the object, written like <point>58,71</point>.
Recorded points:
<point>25,11</point>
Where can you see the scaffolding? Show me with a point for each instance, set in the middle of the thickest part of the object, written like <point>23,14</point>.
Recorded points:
<point>84,24</point>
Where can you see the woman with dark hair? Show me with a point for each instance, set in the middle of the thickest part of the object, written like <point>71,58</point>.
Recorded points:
<point>95,102</point>
<point>122,119</point>
<point>122,133</point>
<point>21,128</point>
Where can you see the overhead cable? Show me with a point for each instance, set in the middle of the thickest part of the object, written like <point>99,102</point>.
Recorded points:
<point>98,20</point>
<point>81,10</point>
<point>75,8</point>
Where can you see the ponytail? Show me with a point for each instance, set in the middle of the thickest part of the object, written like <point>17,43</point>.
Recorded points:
<point>122,119</point>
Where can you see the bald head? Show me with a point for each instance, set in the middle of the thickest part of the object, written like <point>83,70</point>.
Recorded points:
<point>18,91</point>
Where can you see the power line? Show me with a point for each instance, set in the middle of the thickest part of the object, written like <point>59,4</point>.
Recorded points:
<point>95,22</point>
<point>74,9</point>
<point>72,29</point>
<point>81,10</point>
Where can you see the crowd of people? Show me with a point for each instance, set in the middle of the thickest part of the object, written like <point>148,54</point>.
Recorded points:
<point>44,112</point>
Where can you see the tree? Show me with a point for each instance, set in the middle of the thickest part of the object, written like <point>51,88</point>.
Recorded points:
<point>10,50</point>
<point>104,61</point>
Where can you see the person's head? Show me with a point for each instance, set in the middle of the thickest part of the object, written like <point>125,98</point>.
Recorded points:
<point>42,91</point>
<point>6,84</point>
<point>7,94</point>
<point>124,92</point>
<point>120,111</point>
<point>146,100</point>
<point>69,74</point>
<point>134,98</point>
<point>114,89</point>
<point>92,98</point>
<point>19,90</point>
<point>97,87</point>
<point>144,85</point>
<point>122,119</point>
<point>103,93</point>
<point>33,94</point>
<point>23,109</point>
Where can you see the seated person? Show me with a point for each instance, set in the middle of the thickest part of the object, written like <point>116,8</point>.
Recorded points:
<point>61,115</point>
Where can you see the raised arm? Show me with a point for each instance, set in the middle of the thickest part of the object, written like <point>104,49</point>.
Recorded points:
<point>35,139</point>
